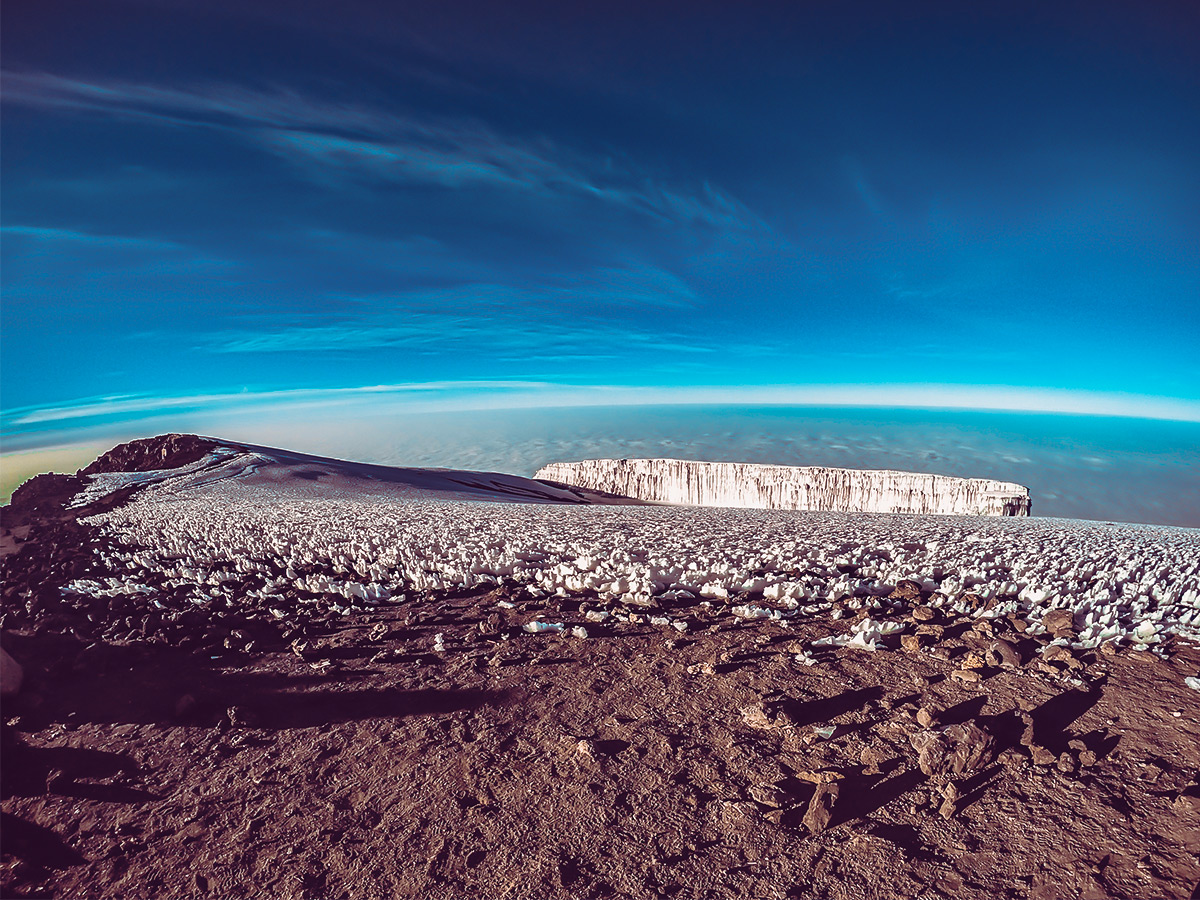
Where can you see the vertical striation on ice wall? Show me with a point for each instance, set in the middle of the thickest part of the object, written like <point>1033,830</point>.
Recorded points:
<point>756,486</point>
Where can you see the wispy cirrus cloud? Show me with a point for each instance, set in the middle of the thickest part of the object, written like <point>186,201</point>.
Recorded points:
<point>86,239</point>
<point>571,314</point>
<point>332,140</point>
<point>129,406</point>
<point>482,394</point>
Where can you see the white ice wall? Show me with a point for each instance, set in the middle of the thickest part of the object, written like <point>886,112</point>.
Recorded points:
<point>755,486</point>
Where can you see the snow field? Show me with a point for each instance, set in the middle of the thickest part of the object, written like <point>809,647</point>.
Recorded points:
<point>1123,583</point>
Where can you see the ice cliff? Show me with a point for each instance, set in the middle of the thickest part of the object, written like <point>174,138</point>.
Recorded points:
<point>755,486</point>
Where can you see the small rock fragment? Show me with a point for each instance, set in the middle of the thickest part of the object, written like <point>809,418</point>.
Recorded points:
<point>966,676</point>
<point>768,795</point>
<point>820,776</point>
<point>1058,620</point>
<point>973,659</point>
<point>908,591</point>
<point>950,798</point>
<point>924,614</point>
<point>820,808</point>
<point>956,749</point>
<point>871,758</point>
<point>926,718</point>
<point>1041,756</point>
<point>1003,653</point>
<point>756,717</point>
<point>1056,653</point>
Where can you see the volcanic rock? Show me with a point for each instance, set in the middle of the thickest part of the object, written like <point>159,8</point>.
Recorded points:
<point>820,808</point>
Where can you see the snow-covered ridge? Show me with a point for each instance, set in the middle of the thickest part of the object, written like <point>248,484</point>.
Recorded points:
<point>756,486</point>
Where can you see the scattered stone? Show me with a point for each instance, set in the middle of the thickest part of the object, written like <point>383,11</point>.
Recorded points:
<point>924,614</point>
<point>820,808</point>
<point>871,758</point>
<point>756,717</point>
<point>966,676</point>
<point>975,602</point>
<point>1066,762</point>
<point>819,776</point>
<point>379,631</point>
<point>706,668</point>
<point>926,718</point>
<point>983,628</point>
<point>1058,620</point>
<point>1152,771</point>
<point>937,632</point>
<point>950,798</point>
<point>1188,801</point>
<point>911,643</point>
<point>1041,756</point>
<point>956,749</point>
<point>973,659</point>
<point>908,591</point>
<point>768,795</point>
<point>1002,653</point>
<point>1056,653</point>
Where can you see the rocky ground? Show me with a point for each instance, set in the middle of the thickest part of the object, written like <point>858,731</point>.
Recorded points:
<point>437,748</point>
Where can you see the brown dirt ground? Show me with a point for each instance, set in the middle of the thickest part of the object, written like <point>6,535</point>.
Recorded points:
<point>363,763</point>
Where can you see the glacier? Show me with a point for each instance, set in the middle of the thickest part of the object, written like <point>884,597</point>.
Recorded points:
<point>757,486</point>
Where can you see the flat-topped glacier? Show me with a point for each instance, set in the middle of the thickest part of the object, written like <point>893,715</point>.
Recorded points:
<point>756,486</point>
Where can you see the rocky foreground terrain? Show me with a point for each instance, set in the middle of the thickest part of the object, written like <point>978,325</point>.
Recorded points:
<point>226,733</point>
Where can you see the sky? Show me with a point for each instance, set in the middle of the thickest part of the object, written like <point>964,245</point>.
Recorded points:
<point>293,208</point>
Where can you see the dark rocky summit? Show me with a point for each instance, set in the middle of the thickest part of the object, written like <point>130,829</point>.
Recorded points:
<point>166,451</point>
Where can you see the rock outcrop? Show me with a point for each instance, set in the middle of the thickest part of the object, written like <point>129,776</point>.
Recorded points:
<point>166,451</point>
<point>755,486</point>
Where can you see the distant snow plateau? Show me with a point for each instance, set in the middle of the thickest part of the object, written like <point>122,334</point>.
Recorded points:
<point>755,486</point>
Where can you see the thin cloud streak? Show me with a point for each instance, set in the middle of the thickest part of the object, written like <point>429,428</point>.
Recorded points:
<point>477,395</point>
<point>106,241</point>
<point>328,140</point>
<point>506,317</point>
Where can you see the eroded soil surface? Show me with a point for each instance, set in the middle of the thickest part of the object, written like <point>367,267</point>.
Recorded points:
<point>345,756</point>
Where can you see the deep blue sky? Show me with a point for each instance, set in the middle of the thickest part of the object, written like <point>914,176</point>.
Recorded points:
<point>220,203</point>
